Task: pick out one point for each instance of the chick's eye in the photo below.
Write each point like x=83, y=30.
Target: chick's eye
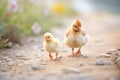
x=48, y=37
x=75, y=26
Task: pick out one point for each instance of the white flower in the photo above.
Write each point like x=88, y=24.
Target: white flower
x=36, y=28
x=13, y=6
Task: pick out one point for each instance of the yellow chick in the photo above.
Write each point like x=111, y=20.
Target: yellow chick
x=76, y=37
x=51, y=45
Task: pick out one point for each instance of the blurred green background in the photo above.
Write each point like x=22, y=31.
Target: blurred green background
x=21, y=18
x=30, y=17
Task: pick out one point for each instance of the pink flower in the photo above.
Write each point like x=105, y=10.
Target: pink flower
x=36, y=28
x=45, y=12
x=13, y=6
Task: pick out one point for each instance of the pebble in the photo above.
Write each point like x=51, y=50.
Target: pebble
x=71, y=70
x=101, y=62
x=118, y=62
x=60, y=57
x=4, y=58
x=18, y=55
x=104, y=55
x=42, y=50
x=81, y=64
x=118, y=55
x=3, y=70
x=118, y=49
x=10, y=44
x=85, y=56
x=37, y=67
x=111, y=51
x=7, y=58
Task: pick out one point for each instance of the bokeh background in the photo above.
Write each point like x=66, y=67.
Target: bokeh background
x=21, y=18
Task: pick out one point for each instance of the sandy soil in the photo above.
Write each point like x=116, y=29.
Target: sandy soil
x=32, y=62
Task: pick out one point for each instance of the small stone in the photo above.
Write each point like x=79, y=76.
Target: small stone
x=4, y=58
x=118, y=55
x=60, y=57
x=113, y=50
x=81, y=64
x=18, y=55
x=10, y=44
x=37, y=67
x=104, y=55
x=118, y=49
x=3, y=70
x=109, y=52
x=85, y=56
x=118, y=62
x=7, y=58
x=101, y=62
x=71, y=70
x=42, y=50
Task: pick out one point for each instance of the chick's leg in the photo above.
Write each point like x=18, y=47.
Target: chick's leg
x=50, y=56
x=78, y=53
x=56, y=56
x=72, y=53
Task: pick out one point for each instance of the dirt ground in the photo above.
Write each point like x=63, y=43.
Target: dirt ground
x=31, y=62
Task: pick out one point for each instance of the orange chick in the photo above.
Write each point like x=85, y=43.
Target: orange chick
x=51, y=45
x=76, y=37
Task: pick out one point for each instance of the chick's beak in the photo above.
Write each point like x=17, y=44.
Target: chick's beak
x=46, y=39
x=76, y=27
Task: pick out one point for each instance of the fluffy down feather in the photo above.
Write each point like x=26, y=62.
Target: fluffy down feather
x=51, y=44
x=76, y=37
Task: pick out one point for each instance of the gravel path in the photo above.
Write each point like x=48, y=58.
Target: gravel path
x=31, y=62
